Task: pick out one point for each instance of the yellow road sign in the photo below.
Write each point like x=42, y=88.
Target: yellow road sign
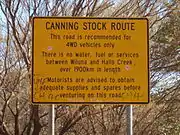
x=90, y=60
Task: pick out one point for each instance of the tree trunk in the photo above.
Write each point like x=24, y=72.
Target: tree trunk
x=37, y=125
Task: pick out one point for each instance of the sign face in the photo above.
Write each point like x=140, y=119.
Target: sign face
x=90, y=60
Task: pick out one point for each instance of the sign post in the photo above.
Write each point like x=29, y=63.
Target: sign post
x=129, y=112
x=51, y=120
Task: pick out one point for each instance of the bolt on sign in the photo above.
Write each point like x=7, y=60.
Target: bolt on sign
x=90, y=60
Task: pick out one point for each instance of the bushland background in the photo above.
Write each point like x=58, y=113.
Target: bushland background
x=19, y=117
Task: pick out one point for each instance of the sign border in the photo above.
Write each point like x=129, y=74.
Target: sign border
x=101, y=18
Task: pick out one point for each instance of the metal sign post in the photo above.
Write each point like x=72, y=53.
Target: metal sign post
x=51, y=120
x=129, y=120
